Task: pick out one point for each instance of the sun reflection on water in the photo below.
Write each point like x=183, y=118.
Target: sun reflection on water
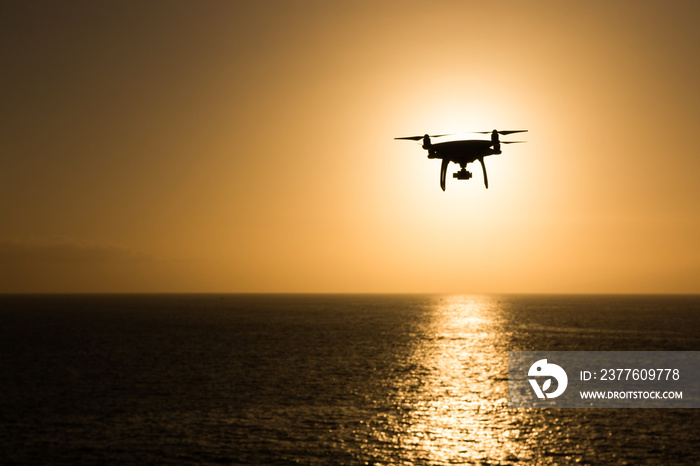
x=452, y=398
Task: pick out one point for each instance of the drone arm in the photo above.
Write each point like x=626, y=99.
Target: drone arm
x=443, y=172
x=483, y=168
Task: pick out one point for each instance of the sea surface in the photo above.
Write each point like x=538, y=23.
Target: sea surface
x=323, y=379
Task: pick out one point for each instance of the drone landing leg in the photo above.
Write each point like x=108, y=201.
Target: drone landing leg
x=443, y=172
x=483, y=168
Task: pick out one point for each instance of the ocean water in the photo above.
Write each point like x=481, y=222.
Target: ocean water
x=322, y=379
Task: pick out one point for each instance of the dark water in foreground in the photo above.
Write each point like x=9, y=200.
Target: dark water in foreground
x=268, y=379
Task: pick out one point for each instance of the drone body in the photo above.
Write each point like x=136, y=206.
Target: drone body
x=463, y=152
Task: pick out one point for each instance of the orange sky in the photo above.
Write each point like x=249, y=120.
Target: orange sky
x=226, y=146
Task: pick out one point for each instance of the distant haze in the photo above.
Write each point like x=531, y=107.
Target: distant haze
x=227, y=146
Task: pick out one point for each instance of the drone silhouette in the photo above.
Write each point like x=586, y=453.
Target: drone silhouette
x=463, y=152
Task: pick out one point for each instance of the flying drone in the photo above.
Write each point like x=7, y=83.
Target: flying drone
x=463, y=152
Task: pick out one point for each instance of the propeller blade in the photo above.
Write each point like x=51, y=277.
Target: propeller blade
x=511, y=131
x=511, y=142
x=418, y=138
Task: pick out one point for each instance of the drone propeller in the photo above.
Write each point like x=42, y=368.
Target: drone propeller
x=511, y=131
x=418, y=138
x=510, y=142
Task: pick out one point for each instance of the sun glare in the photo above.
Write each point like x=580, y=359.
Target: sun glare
x=460, y=390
